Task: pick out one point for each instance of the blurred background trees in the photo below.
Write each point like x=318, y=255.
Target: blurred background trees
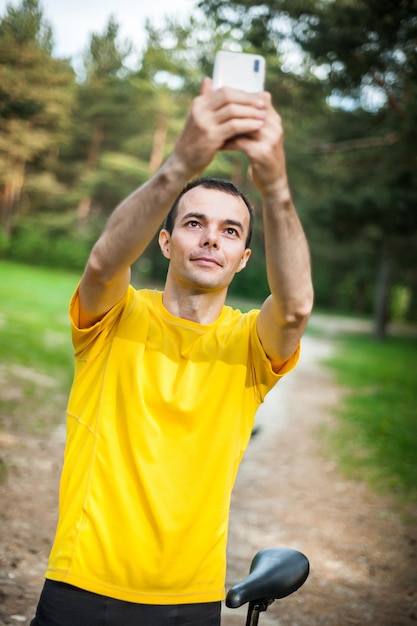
x=344, y=77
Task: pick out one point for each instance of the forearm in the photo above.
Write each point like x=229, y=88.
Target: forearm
x=128, y=232
x=135, y=221
x=287, y=258
x=285, y=313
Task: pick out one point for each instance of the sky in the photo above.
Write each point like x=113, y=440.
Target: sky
x=73, y=21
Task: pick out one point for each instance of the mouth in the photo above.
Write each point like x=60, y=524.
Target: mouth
x=207, y=261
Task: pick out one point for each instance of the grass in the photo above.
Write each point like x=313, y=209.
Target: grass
x=376, y=435
x=35, y=346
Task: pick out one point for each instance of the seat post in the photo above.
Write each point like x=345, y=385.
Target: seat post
x=255, y=607
x=253, y=615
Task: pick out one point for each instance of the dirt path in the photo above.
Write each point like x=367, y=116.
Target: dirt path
x=363, y=557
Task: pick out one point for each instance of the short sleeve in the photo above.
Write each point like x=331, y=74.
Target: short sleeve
x=262, y=368
x=85, y=338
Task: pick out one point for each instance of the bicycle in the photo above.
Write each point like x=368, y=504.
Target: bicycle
x=274, y=574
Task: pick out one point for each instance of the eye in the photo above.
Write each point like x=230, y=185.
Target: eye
x=232, y=232
x=193, y=224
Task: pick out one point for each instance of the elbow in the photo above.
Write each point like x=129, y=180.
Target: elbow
x=95, y=269
x=101, y=273
x=98, y=268
x=298, y=313
x=306, y=308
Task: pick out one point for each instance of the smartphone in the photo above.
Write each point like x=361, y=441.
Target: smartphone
x=239, y=70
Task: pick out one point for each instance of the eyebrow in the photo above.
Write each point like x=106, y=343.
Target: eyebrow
x=203, y=218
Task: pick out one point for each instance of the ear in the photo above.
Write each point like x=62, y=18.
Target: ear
x=164, y=242
x=244, y=260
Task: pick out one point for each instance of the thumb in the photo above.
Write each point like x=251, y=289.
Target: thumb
x=206, y=86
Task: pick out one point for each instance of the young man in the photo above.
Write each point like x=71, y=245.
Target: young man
x=166, y=384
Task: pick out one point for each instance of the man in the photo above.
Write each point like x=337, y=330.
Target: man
x=166, y=384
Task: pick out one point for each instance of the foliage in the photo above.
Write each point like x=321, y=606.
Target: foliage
x=377, y=433
x=35, y=102
x=342, y=75
x=49, y=245
x=361, y=150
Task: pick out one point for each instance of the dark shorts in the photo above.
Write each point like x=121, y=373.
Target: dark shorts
x=65, y=605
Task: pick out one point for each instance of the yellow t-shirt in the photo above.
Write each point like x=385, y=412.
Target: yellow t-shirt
x=159, y=415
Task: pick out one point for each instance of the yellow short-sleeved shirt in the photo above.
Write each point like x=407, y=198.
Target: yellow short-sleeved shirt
x=159, y=415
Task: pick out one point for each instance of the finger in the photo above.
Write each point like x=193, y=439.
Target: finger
x=206, y=86
x=227, y=95
x=238, y=111
x=242, y=142
x=234, y=129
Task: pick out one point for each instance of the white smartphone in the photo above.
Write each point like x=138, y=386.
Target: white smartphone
x=239, y=70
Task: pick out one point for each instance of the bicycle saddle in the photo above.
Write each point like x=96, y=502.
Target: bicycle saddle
x=274, y=573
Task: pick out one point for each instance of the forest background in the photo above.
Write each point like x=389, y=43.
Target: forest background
x=342, y=74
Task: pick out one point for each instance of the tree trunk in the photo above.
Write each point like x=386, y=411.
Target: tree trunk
x=97, y=138
x=11, y=193
x=381, y=300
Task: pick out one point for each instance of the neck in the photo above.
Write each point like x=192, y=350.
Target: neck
x=200, y=307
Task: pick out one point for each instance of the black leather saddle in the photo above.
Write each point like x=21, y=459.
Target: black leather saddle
x=274, y=573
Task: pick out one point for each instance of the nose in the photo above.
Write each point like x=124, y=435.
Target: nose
x=209, y=239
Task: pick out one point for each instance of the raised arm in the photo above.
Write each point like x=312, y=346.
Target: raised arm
x=214, y=117
x=285, y=313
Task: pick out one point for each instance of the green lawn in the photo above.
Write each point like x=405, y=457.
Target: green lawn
x=35, y=346
x=376, y=436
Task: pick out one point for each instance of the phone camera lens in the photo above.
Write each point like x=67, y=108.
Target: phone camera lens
x=256, y=66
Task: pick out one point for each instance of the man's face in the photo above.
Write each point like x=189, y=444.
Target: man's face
x=207, y=245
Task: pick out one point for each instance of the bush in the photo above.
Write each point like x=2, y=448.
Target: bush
x=46, y=248
x=4, y=243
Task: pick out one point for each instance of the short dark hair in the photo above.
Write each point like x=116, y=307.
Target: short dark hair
x=218, y=184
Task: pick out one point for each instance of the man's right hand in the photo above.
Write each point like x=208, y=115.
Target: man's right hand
x=215, y=117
